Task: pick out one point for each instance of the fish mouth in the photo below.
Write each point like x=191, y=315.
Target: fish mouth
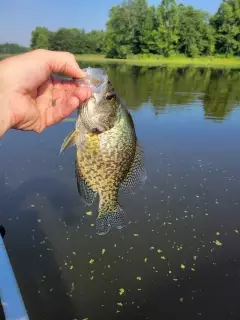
x=97, y=79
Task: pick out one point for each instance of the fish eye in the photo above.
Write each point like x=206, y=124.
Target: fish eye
x=110, y=95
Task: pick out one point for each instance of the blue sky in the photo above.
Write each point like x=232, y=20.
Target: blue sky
x=19, y=17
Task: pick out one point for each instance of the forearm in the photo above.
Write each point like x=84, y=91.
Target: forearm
x=5, y=117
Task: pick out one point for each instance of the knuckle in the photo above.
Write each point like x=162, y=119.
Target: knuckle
x=40, y=51
x=70, y=55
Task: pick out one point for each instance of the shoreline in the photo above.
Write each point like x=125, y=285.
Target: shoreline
x=213, y=62
x=205, y=62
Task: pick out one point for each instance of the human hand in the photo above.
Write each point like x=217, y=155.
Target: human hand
x=28, y=93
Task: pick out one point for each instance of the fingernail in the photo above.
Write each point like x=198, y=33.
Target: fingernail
x=83, y=74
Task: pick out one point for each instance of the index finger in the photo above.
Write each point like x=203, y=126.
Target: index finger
x=63, y=62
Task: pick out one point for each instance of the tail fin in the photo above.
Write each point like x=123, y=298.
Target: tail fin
x=110, y=219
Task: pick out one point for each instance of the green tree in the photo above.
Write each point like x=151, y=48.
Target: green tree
x=227, y=25
x=147, y=39
x=95, y=40
x=72, y=40
x=196, y=36
x=130, y=29
x=166, y=34
x=40, y=38
x=139, y=21
x=118, y=34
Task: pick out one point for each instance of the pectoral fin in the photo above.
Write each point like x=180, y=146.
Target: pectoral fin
x=70, y=140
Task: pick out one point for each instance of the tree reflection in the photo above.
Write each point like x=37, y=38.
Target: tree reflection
x=222, y=94
x=170, y=87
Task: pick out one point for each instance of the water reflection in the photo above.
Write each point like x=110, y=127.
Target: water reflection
x=169, y=87
x=179, y=255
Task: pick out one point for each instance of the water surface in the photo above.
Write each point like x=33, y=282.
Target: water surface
x=179, y=256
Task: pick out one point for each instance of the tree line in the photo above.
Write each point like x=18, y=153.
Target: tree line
x=73, y=40
x=136, y=28
x=9, y=48
x=167, y=29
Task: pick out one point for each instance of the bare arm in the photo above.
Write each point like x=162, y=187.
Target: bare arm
x=27, y=90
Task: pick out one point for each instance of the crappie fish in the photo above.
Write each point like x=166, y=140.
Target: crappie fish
x=108, y=154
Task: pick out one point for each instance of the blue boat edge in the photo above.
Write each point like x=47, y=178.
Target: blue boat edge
x=10, y=296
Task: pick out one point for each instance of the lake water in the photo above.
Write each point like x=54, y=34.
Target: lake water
x=179, y=256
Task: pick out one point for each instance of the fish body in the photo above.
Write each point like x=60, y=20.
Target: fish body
x=108, y=154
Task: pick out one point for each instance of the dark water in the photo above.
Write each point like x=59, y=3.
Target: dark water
x=179, y=257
